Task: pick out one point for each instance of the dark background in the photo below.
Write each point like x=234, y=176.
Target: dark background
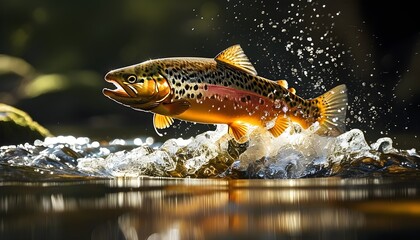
x=54, y=55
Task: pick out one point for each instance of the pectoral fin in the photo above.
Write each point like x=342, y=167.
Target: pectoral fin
x=161, y=121
x=282, y=122
x=238, y=130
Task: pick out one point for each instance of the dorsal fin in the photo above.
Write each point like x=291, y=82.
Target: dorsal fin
x=234, y=56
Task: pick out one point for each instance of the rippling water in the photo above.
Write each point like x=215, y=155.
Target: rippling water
x=314, y=187
x=168, y=208
x=297, y=153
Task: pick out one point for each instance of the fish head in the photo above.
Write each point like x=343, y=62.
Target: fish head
x=139, y=86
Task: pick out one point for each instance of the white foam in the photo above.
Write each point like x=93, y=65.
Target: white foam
x=293, y=154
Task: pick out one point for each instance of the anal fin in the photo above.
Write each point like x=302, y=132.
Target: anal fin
x=282, y=122
x=238, y=130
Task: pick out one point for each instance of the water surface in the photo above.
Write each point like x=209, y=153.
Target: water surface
x=162, y=208
x=303, y=186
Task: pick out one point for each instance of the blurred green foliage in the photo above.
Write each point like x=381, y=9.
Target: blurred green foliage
x=18, y=127
x=55, y=36
x=55, y=54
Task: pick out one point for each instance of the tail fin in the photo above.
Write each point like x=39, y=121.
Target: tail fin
x=333, y=107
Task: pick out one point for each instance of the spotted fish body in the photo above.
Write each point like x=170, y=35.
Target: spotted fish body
x=223, y=90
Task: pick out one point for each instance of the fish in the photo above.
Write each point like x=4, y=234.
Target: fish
x=225, y=89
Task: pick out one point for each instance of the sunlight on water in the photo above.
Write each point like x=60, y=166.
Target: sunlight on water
x=152, y=208
x=295, y=154
x=301, y=45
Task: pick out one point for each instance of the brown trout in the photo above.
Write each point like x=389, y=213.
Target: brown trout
x=222, y=90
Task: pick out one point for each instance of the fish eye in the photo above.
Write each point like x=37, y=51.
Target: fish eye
x=132, y=78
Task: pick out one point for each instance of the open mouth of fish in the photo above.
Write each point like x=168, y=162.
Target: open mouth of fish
x=120, y=90
x=124, y=94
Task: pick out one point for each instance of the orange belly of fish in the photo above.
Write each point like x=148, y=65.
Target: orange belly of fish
x=226, y=111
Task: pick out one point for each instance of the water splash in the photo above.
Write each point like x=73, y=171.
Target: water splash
x=314, y=45
x=297, y=153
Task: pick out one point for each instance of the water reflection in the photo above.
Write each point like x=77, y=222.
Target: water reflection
x=140, y=208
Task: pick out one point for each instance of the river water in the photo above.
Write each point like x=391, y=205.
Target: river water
x=299, y=185
x=167, y=208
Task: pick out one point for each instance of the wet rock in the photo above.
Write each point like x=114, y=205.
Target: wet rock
x=17, y=127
